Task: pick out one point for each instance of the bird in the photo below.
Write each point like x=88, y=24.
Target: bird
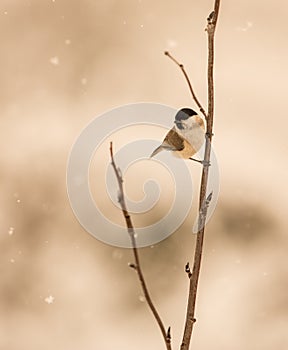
x=186, y=137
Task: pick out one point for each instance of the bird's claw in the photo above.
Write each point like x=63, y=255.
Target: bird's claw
x=205, y=162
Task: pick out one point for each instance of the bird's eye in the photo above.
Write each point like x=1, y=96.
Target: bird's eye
x=179, y=124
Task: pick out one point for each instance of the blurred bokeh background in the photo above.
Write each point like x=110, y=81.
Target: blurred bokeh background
x=65, y=62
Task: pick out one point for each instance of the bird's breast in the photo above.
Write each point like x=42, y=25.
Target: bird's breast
x=194, y=139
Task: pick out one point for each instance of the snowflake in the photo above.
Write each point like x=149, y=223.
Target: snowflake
x=245, y=28
x=49, y=300
x=54, y=60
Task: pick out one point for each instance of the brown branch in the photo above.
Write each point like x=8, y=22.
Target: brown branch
x=203, y=200
x=136, y=265
x=180, y=65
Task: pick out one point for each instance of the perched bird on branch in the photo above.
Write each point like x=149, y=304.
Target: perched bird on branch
x=186, y=137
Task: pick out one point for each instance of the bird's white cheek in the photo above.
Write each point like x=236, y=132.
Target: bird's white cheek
x=198, y=138
x=195, y=137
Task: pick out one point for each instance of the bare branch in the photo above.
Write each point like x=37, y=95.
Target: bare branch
x=203, y=200
x=136, y=265
x=180, y=65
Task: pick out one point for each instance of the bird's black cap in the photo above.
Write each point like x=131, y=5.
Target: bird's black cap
x=184, y=113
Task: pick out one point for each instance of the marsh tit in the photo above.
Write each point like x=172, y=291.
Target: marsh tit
x=186, y=137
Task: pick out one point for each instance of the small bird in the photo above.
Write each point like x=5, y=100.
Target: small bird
x=186, y=137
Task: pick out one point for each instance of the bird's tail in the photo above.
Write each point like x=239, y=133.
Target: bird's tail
x=156, y=151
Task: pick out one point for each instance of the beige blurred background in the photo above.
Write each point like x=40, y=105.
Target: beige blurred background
x=65, y=62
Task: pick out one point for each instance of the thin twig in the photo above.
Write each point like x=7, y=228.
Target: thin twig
x=136, y=265
x=181, y=66
x=203, y=200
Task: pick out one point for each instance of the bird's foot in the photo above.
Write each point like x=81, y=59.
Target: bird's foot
x=203, y=162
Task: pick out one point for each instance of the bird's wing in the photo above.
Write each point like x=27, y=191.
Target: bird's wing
x=173, y=141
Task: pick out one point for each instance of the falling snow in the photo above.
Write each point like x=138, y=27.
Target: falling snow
x=171, y=43
x=54, y=60
x=245, y=28
x=16, y=195
x=11, y=231
x=49, y=300
x=141, y=298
